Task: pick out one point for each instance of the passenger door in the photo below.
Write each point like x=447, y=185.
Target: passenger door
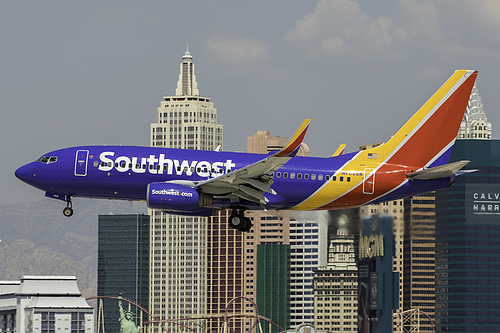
x=81, y=161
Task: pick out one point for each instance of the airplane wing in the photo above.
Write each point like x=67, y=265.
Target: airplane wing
x=441, y=171
x=251, y=182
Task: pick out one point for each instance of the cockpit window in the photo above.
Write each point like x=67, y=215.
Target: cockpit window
x=47, y=159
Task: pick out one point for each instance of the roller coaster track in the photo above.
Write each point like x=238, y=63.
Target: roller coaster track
x=227, y=316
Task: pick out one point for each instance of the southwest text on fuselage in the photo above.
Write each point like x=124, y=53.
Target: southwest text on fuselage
x=161, y=165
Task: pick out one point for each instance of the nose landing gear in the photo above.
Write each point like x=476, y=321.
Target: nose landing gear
x=68, y=210
x=239, y=221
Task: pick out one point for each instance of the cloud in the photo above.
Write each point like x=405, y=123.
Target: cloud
x=341, y=28
x=236, y=50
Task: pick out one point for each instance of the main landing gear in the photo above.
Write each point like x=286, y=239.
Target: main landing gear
x=239, y=221
x=68, y=211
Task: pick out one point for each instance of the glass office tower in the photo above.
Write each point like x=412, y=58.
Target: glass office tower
x=273, y=284
x=123, y=264
x=468, y=243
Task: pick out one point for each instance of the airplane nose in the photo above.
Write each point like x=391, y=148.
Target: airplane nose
x=25, y=173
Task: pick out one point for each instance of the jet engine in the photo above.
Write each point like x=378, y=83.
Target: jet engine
x=176, y=197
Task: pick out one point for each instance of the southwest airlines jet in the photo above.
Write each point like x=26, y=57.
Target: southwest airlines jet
x=191, y=182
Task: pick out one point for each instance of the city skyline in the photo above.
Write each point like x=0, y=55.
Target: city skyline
x=80, y=74
x=426, y=86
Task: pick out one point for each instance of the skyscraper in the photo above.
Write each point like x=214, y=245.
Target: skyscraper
x=186, y=120
x=475, y=125
x=273, y=284
x=225, y=275
x=467, y=242
x=178, y=256
x=419, y=256
x=336, y=284
x=122, y=266
x=307, y=239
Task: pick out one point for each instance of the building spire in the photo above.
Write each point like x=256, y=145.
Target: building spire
x=187, y=86
x=475, y=125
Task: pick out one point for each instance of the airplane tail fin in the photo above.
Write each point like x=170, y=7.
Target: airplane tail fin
x=427, y=138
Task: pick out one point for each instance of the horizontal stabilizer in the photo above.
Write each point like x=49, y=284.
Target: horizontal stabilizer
x=441, y=171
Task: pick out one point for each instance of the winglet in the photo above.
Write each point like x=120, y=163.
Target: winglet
x=293, y=145
x=339, y=150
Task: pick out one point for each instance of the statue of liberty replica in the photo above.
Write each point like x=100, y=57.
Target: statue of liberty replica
x=127, y=325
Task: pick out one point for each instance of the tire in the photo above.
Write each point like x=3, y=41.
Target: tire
x=68, y=211
x=235, y=221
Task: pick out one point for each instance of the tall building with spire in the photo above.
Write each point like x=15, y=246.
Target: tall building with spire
x=475, y=125
x=178, y=252
x=336, y=284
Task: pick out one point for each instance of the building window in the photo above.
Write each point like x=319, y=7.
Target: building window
x=48, y=322
x=77, y=322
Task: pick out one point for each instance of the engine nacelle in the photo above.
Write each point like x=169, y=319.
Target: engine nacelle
x=176, y=197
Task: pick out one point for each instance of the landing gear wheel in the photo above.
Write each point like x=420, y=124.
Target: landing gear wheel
x=247, y=225
x=235, y=221
x=68, y=211
x=238, y=221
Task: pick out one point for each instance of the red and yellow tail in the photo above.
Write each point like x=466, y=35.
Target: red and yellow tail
x=425, y=140
x=427, y=137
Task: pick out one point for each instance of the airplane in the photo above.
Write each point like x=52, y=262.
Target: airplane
x=193, y=182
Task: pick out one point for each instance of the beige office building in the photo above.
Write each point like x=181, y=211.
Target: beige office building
x=178, y=251
x=336, y=285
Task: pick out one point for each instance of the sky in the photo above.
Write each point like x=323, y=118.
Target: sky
x=94, y=72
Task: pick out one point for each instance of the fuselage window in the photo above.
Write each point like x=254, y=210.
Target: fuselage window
x=285, y=174
x=306, y=176
x=327, y=177
x=278, y=174
x=292, y=175
x=158, y=167
x=341, y=178
x=110, y=164
x=299, y=176
x=144, y=166
x=313, y=176
x=334, y=178
x=96, y=163
x=320, y=177
x=348, y=179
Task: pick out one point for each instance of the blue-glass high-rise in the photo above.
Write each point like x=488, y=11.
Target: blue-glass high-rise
x=468, y=243
x=123, y=264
